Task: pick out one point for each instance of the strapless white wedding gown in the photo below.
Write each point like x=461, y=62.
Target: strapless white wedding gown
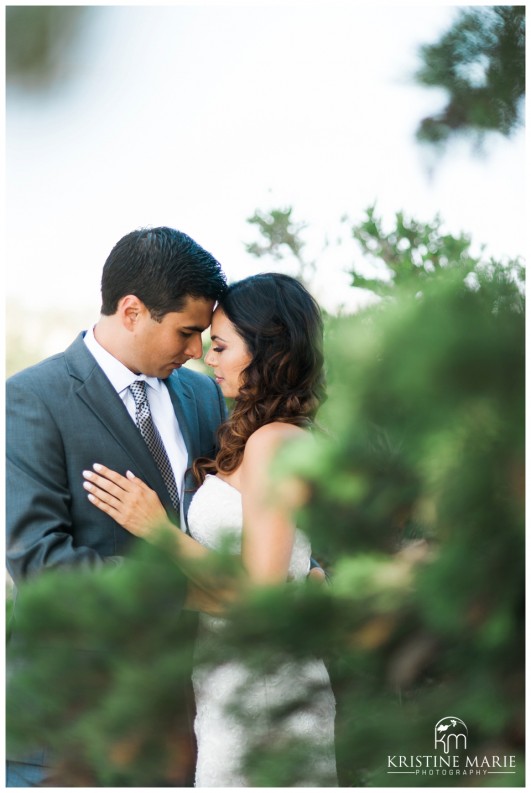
x=215, y=511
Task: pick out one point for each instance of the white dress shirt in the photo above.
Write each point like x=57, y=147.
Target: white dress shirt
x=160, y=405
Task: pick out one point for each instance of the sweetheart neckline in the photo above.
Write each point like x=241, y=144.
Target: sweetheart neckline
x=223, y=481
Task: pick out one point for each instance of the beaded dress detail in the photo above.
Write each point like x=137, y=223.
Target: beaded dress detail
x=215, y=514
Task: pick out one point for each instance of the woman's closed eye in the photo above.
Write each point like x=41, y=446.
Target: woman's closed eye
x=217, y=349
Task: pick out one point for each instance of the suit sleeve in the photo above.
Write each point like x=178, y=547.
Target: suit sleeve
x=39, y=525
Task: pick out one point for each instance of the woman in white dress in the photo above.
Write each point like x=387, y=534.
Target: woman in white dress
x=267, y=355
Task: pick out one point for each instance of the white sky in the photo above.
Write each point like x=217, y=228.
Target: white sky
x=195, y=115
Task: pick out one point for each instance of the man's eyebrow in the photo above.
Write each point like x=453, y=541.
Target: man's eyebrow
x=195, y=328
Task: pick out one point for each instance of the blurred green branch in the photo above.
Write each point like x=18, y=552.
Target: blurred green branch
x=40, y=41
x=480, y=62
x=282, y=237
x=412, y=253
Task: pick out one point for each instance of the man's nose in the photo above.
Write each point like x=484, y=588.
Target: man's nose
x=195, y=347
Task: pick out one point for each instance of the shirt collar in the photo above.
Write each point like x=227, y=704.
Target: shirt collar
x=120, y=376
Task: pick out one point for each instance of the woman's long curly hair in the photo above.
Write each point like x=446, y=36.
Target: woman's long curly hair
x=282, y=328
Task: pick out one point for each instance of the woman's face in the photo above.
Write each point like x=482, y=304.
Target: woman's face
x=228, y=354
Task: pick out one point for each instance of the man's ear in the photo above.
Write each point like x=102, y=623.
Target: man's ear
x=130, y=310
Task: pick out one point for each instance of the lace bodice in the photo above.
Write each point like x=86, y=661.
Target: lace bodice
x=216, y=513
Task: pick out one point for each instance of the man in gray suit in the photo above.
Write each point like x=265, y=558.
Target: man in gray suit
x=158, y=291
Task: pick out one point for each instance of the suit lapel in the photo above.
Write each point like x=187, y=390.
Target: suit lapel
x=186, y=412
x=98, y=394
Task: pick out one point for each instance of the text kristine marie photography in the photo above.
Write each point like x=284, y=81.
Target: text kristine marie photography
x=451, y=736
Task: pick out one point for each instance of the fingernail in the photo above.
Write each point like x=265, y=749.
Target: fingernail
x=129, y=474
x=88, y=474
x=97, y=467
x=91, y=497
x=87, y=485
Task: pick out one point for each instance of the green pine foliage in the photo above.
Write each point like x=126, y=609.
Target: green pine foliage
x=98, y=662
x=280, y=237
x=480, y=62
x=40, y=44
x=407, y=254
x=417, y=494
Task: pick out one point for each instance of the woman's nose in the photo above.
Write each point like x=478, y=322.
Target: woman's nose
x=208, y=358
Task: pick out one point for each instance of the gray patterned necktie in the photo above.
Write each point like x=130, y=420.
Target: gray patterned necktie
x=151, y=435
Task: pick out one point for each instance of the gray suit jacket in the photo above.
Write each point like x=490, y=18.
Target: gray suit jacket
x=63, y=415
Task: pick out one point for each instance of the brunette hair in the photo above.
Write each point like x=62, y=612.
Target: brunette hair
x=161, y=266
x=282, y=328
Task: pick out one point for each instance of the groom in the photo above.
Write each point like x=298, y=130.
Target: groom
x=118, y=394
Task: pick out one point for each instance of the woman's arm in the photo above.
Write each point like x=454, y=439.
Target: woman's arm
x=268, y=528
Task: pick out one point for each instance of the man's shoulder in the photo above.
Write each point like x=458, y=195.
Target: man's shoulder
x=37, y=371
x=49, y=368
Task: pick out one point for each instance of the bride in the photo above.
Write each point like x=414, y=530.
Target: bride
x=266, y=354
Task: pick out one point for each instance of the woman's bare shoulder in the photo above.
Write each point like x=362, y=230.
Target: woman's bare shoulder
x=265, y=440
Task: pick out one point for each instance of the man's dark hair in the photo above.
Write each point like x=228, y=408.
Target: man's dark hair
x=162, y=267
